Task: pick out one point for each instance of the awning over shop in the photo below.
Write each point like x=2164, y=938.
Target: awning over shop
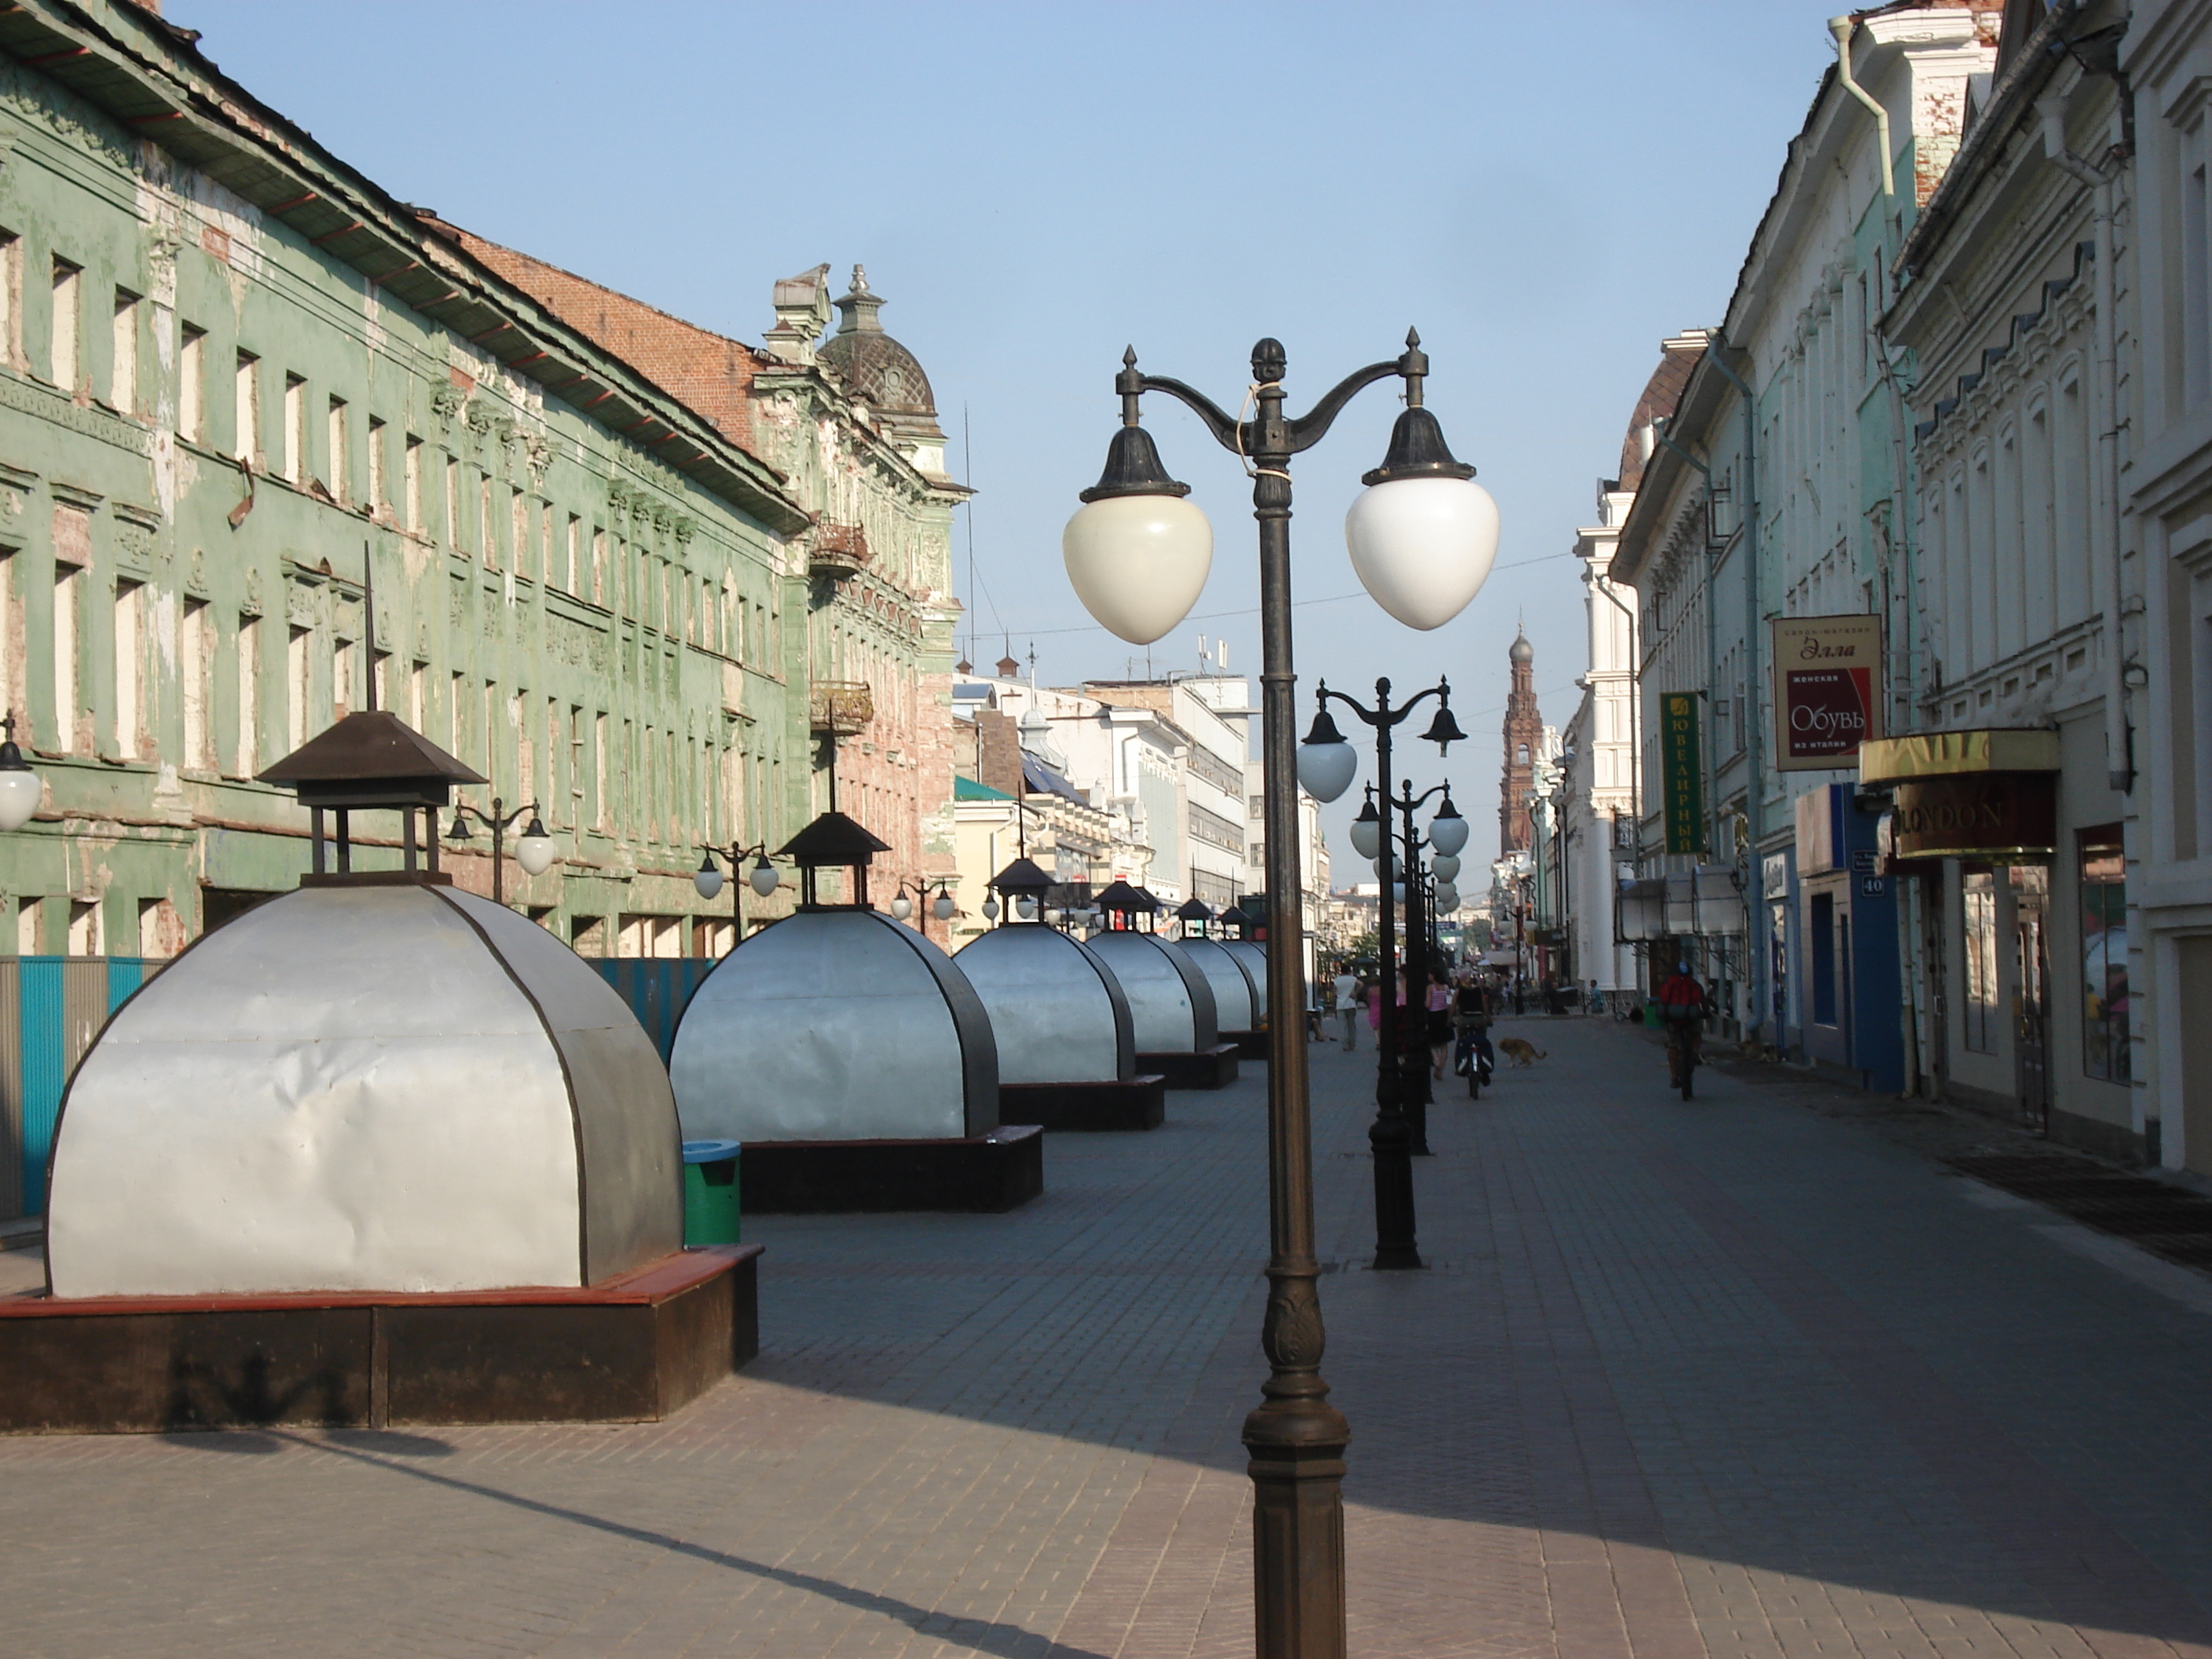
x=1953, y=754
x=1988, y=796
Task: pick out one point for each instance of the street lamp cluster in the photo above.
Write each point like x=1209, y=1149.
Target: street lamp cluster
x=1422, y=537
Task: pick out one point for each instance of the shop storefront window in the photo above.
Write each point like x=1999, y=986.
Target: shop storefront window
x=2103, y=956
x=1979, y=896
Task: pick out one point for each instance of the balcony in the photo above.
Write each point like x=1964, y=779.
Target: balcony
x=838, y=708
x=838, y=550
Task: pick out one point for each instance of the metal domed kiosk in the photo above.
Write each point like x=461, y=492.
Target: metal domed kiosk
x=1246, y=930
x=1170, y=1004
x=1067, y=1052
x=851, y=1057
x=1240, y=1006
x=378, y=1151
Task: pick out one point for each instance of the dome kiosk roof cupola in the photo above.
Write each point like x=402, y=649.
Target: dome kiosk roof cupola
x=851, y=1058
x=1124, y=907
x=1194, y=916
x=1170, y=998
x=379, y=1090
x=1022, y=883
x=1066, y=1034
x=371, y=761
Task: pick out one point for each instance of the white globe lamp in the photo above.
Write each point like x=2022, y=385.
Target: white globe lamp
x=1448, y=830
x=901, y=905
x=20, y=788
x=764, y=879
x=1367, y=832
x=1447, y=898
x=535, y=850
x=1326, y=764
x=1137, y=550
x=1446, y=866
x=942, y=906
x=1423, y=534
x=707, y=880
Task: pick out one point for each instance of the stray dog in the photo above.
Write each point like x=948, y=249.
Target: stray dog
x=1520, y=1051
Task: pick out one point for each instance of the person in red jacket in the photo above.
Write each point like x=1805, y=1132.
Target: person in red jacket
x=1682, y=1011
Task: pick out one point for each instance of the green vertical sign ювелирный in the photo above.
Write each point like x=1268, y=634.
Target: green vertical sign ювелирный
x=1678, y=764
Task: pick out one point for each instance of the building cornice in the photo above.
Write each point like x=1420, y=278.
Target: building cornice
x=152, y=80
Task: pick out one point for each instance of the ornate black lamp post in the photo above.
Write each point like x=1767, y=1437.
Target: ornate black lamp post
x=1326, y=764
x=706, y=881
x=1422, y=538
x=534, y=848
x=1447, y=834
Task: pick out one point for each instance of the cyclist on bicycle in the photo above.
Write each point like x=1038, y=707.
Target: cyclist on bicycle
x=1682, y=1007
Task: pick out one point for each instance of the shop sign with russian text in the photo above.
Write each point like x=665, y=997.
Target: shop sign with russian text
x=1682, y=786
x=1827, y=690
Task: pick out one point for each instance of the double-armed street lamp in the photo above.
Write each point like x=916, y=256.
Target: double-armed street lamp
x=1327, y=765
x=1422, y=537
x=1447, y=834
x=706, y=881
x=942, y=907
x=534, y=850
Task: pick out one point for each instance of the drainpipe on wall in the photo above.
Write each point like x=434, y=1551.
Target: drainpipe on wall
x=2120, y=742
x=1909, y=942
x=1841, y=27
x=1754, y=725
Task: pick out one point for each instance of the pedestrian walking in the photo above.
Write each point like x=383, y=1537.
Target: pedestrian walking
x=1436, y=1005
x=1348, y=988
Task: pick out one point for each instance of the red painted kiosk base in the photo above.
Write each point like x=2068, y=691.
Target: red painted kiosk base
x=1207, y=1068
x=634, y=1348
x=985, y=1173
x=1140, y=1103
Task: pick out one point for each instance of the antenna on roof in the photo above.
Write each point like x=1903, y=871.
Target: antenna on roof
x=368, y=611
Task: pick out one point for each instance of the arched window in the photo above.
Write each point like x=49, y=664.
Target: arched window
x=1521, y=754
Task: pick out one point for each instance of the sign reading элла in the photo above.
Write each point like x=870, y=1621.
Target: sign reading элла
x=1827, y=683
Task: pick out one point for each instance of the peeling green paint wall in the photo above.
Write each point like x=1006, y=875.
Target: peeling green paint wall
x=586, y=625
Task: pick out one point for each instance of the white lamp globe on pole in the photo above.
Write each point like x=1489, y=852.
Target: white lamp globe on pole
x=765, y=878
x=1423, y=534
x=20, y=788
x=1448, y=830
x=942, y=906
x=1136, y=550
x=1447, y=898
x=707, y=880
x=903, y=906
x=1326, y=764
x=1445, y=866
x=1367, y=831
x=536, y=851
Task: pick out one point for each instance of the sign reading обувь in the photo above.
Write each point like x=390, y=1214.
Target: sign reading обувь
x=1827, y=690
x=1681, y=783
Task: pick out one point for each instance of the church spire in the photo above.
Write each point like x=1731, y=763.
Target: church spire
x=1524, y=737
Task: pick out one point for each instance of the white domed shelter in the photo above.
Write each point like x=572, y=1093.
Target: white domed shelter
x=829, y=1035
x=1170, y=1003
x=375, y=1083
x=1240, y=1010
x=1067, y=1041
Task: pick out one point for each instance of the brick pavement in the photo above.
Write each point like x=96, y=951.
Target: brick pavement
x=1727, y=1377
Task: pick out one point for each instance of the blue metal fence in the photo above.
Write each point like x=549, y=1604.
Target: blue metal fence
x=50, y=1009
x=657, y=988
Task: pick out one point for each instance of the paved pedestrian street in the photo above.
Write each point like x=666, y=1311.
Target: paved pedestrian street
x=1752, y=1374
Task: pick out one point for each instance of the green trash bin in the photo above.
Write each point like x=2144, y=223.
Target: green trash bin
x=710, y=1192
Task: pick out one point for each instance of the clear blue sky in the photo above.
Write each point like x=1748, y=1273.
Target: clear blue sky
x=1545, y=191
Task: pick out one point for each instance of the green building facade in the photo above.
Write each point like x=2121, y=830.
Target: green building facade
x=240, y=388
